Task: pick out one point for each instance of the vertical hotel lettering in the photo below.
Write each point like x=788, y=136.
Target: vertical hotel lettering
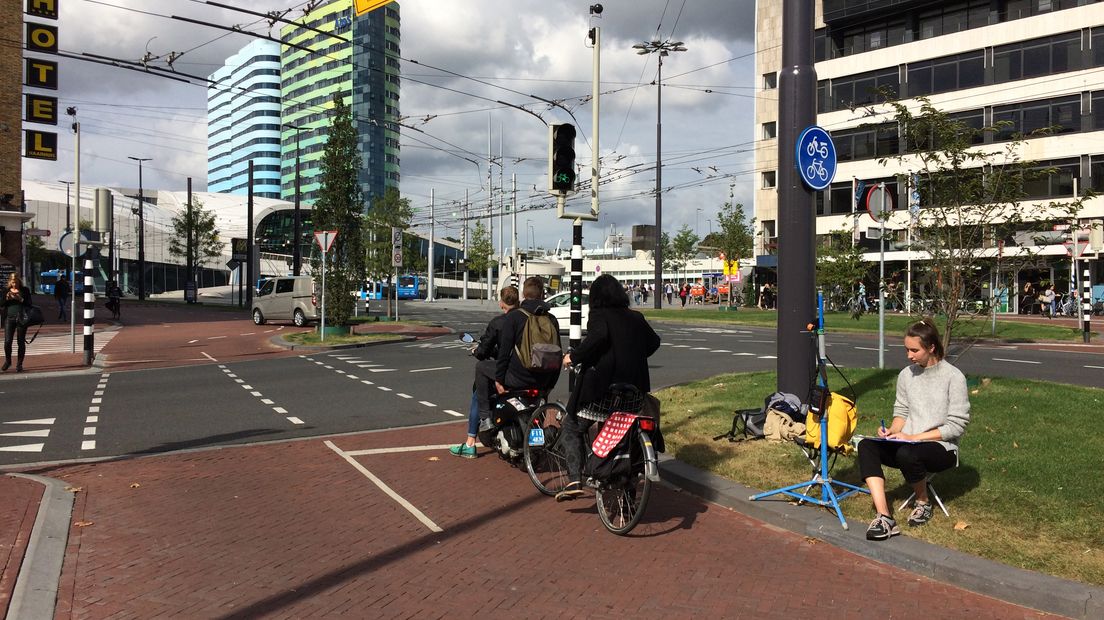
x=42, y=74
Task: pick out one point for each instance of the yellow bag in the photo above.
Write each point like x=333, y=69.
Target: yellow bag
x=842, y=418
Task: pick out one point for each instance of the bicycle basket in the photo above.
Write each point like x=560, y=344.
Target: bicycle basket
x=620, y=397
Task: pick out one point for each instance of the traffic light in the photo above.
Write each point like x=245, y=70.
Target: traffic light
x=561, y=159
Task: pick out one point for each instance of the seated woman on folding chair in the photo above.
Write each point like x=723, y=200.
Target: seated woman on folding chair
x=931, y=412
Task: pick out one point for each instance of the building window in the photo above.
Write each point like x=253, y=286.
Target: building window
x=769, y=179
x=1037, y=57
x=946, y=74
x=770, y=130
x=770, y=80
x=1096, y=173
x=1061, y=115
x=1058, y=183
x=857, y=90
x=866, y=142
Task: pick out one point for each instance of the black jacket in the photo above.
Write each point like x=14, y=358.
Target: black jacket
x=616, y=349
x=7, y=304
x=488, y=342
x=509, y=371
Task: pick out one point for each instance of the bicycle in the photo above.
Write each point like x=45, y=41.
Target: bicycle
x=621, y=498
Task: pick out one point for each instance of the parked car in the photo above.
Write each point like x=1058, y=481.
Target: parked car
x=561, y=309
x=286, y=298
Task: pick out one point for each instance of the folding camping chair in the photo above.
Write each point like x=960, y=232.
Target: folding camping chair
x=931, y=491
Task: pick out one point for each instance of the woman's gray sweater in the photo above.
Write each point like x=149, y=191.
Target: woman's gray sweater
x=933, y=398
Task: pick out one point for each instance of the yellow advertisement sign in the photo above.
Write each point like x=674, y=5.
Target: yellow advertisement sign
x=360, y=7
x=731, y=267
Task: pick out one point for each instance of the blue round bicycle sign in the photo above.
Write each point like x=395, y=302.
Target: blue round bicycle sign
x=816, y=157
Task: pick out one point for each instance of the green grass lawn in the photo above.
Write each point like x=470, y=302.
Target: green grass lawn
x=311, y=338
x=1028, y=486
x=965, y=327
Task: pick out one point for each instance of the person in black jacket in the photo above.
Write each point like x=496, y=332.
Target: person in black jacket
x=509, y=371
x=485, y=351
x=17, y=298
x=615, y=350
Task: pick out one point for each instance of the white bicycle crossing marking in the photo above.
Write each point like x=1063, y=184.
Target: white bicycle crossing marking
x=35, y=433
x=60, y=343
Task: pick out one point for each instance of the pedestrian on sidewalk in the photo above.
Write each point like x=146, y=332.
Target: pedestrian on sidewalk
x=17, y=299
x=1049, y=300
x=684, y=292
x=669, y=291
x=61, y=294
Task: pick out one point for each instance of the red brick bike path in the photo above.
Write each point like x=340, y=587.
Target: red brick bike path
x=19, y=501
x=294, y=530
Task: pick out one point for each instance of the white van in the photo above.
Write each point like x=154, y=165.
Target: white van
x=286, y=298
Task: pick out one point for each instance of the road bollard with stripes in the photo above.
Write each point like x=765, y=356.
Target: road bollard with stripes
x=89, y=306
x=1086, y=306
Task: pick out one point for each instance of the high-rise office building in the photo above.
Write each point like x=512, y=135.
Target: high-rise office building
x=376, y=52
x=309, y=81
x=243, y=122
x=1031, y=63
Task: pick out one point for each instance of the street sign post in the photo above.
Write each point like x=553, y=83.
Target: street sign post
x=36, y=232
x=816, y=157
x=325, y=239
x=239, y=249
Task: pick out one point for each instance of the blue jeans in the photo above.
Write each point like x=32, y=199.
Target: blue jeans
x=473, y=417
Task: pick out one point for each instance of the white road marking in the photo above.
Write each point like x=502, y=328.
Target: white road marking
x=381, y=370
x=399, y=450
x=431, y=369
x=352, y=376
x=418, y=514
x=279, y=410
x=30, y=447
x=88, y=445
x=345, y=357
x=295, y=420
x=231, y=375
x=767, y=357
x=38, y=421
x=400, y=394
x=92, y=419
x=426, y=403
x=251, y=333
x=366, y=382
x=454, y=413
x=864, y=349
x=369, y=365
x=215, y=337
x=248, y=387
x=681, y=346
x=340, y=372
x=327, y=366
x=45, y=432
x=97, y=401
x=192, y=341
x=239, y=380
x=90, y=430
x=204, y=355
x=743, y=354
x=700, y=349
x=266, y=401
x=385, y=389
x=727, y=351
x=1097, y=367
x=1001, y=359
x=93, y=410
x=257, y=394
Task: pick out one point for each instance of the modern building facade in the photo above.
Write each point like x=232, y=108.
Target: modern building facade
x=1034, y=63
x=309, y=81
x=376, y=52
x=243, y=122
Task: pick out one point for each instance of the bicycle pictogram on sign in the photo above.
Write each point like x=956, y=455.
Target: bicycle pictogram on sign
x=816, y=157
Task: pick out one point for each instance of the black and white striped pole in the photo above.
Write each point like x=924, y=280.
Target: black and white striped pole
x=1086, y=304
x=89, y=304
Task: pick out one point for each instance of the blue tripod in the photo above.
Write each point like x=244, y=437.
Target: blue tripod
x=829, y=497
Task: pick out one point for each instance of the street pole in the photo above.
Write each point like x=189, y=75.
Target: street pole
x=661, y=48
x=249, y=275
x=68, y=222
x=141, y=231
x=513, y=225
x=429, y=291
x=191, y=229
x=796, y=263
x=322, y=332
x=75, y=226
x=464, y=245
x=881, y=280
x=297, y=232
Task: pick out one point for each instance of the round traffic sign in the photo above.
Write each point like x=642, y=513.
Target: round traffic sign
x=815, y=157
x=879, y=202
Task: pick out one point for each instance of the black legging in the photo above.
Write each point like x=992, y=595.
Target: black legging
x=12, y=329
x=915, y=460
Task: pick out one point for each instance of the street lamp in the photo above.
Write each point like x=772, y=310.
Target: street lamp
x=68, y=215
x=710, y=223
x=528, y=237
x=296, y=251
x=663, y=48
x=141, y=231
x=697, y=221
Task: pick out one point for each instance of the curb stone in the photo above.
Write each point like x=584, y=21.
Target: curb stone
x=1015, y=585
x=36, y=587
x=291, y=346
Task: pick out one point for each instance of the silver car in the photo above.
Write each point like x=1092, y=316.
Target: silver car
x=286, y=298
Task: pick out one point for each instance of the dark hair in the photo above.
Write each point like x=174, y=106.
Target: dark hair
x=925, y=330
x=533, y=288
x=509, y=296
x=607, y=292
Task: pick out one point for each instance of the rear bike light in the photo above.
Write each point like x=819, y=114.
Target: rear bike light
x=647, y=424
x=531, y=393
x=314, y=299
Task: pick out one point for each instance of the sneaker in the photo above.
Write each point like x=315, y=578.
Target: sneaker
x=485, y=424
x=571, y=491
x=882, y=528
x=463, y=451
x=921, y=514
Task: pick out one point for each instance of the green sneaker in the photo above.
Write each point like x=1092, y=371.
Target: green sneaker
x=463, y=451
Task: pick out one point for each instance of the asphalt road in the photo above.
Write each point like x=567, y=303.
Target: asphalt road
x=385, y=386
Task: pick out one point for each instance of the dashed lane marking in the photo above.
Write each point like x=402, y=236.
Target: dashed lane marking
x=454, y=413
x=1096, y=367
x=401, y=395
x=294, y=420
x=426, y=403
x=1001, y=359
x=431, y=369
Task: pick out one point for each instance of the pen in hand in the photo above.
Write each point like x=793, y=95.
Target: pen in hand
x=884, y=433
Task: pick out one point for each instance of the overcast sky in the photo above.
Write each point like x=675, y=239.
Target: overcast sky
x=534, y=47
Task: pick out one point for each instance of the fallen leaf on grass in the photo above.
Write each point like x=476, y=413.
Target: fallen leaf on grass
x=134, y=485
x=718, y=385
x=83, y=523
x=961, y=525
x=74, y=489
x=434, y=458
x=973, y=392
x=1015, y=445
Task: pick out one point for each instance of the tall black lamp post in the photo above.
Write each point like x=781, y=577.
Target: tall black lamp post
x=663, y=48
x=297, y=232
x=141, y=231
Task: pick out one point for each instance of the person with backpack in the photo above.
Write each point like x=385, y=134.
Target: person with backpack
x=527, y=343
x=930, y=415
x=616, y=349
x=486, y=351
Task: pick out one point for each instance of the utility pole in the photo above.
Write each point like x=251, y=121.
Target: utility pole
x=75, y=225
x=191, y=230
x=249, y=275
x=464, y=245
x=297, y=232
x=68, y=222
x=141, y=231
x=429, y=291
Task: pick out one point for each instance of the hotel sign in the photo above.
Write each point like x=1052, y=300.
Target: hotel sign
x=40, y=38
x=360, y=7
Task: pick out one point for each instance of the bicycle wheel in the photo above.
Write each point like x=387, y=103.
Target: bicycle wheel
x=621, y=502
x=544, y=456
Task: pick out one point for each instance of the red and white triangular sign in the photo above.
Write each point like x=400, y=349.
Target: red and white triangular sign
x=325, y=238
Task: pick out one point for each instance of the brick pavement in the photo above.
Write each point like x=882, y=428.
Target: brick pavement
x=293, y=530
x=18, y=510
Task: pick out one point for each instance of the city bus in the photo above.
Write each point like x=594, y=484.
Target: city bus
x=46, y=280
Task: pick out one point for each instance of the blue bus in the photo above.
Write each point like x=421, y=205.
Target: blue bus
x=411, y=287
x=47, y=279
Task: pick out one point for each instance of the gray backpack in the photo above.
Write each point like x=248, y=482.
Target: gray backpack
x=538, y=348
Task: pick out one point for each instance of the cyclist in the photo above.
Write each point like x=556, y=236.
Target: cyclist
x=510, y=374
x=616, y=349
x=485, y=351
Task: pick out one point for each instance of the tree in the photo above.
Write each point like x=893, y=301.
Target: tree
x=480, y=253
x=683, y=247
x=973, y=198
x=839, y=264
x=339, y=207
x=734, y=238
x=390, y=210
x=200, y=225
